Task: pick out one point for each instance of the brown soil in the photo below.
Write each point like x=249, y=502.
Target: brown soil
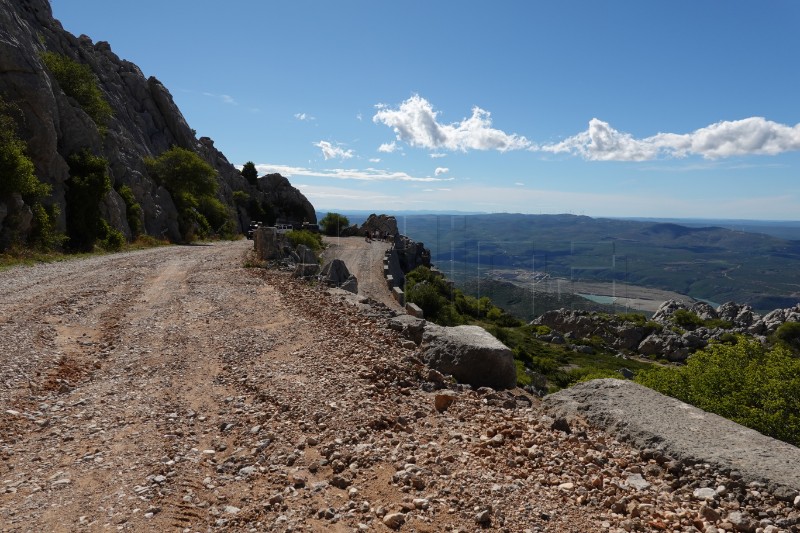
x=174, y=390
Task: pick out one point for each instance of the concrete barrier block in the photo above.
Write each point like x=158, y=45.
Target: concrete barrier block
x=414, y=310
x=399, y=295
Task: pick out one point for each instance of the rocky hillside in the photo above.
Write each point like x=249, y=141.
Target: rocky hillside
x=144, y=123
x=674, y=332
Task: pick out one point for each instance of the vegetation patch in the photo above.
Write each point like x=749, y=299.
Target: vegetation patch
x=332, y=224
x=79, y=82
x=18, y=177
x=308, y=238
x=193, y=185
x=748, y=383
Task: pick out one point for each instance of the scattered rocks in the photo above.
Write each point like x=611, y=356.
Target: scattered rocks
x=297, y=412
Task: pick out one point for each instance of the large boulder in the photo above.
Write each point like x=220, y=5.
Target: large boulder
x=269, y=244
x=471, y=355
x=336, y=274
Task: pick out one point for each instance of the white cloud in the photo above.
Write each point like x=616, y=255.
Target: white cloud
x=375, y=160
x=437, y=155
x=368, y=174
x=225, y=98
x=415, y=122
x=304, y=117
x=388, y=148
x=441, y=170
x=330, y=151
x=750, y=136
x=519, y=184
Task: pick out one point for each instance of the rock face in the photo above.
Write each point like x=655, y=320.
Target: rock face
x=671, y=428
x=470, y=354
x=661, y=336
x=145, y=123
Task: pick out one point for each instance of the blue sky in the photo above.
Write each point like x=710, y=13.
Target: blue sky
x=613, y=108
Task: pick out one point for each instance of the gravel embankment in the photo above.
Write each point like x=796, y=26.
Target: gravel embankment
x=173, y=389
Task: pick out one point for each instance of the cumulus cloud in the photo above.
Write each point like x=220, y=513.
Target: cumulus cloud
x=368, y=174
x=437, y=155
x=440, y=170
x=329, y=151
x=303, y=117
x=749, y=136
x=375, y=160
x=415, y=122
x=388, y=148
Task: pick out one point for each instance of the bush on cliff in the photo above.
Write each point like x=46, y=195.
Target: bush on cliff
x=746, y=382
x=17, y=175
x=133, y=210
x=79, y=82
x=193, y=185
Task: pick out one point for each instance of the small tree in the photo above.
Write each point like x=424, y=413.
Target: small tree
x=193, y=185
x=333, y=224
x=250, y=173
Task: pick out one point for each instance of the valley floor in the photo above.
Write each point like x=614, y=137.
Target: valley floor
x=174, y=390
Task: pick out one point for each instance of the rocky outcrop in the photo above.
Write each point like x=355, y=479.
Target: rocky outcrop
x=145, y=123
x=290, y=206
x=664, y=335
x=380, y=226
x=664, y=427
x=470, y=354
x=336, y=274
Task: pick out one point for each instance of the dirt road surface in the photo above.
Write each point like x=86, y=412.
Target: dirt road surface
x=174, y=390
x=365, y=261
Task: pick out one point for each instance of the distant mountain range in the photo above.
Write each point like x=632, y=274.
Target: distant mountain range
x=709, y=262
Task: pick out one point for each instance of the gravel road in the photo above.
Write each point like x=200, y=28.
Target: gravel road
x=174, y=390
x=365, y=261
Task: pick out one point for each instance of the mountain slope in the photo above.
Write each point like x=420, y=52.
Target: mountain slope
x=710, y=263
x=145, y=122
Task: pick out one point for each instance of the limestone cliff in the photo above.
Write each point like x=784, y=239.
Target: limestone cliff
x=145, y=123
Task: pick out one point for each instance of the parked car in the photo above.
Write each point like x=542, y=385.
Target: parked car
x=252, y=229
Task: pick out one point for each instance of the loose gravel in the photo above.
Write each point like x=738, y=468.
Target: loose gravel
x=175, y=390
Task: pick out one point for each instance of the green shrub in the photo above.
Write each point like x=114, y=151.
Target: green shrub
x=427, y=297
x=182, y=171
x=79, y=82
x=87, y=185
x=746, y=382
x=16, y=168
x=217, y=213
x=788, y=334
x=685, y=319
x=333, y=223
x=717, y=323
x=241, y=198
x=308, y=238
x=636, y=318
x=192, y=183
x=133, y=210
x=111, y=240
x=44, y=235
